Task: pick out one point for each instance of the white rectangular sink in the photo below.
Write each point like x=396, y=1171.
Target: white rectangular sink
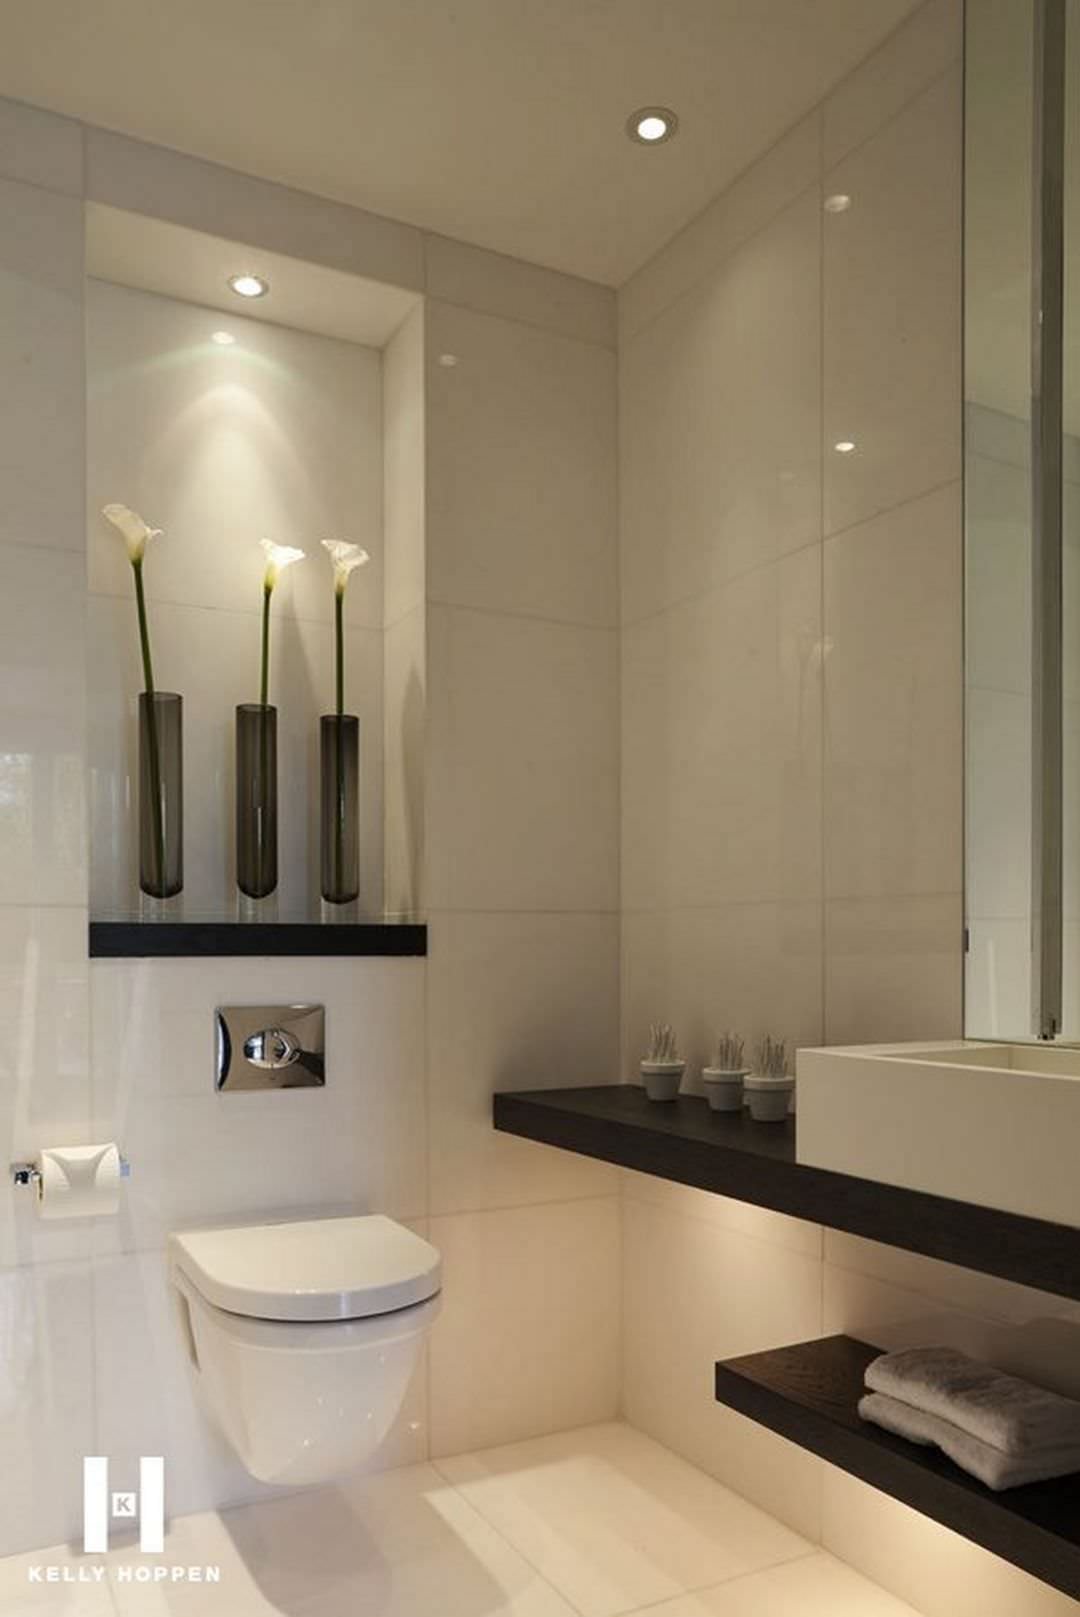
x=996, y=1124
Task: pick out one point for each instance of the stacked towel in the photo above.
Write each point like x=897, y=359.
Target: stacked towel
x=998, y=1428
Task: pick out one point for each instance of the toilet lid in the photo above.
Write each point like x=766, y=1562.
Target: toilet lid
x=322, y=1269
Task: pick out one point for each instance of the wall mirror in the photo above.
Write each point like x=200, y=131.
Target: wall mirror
x=1022, y=519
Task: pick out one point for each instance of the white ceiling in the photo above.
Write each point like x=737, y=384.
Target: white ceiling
x=497, y=121
x=133, y=250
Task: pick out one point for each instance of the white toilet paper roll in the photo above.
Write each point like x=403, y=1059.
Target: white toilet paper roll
x=78, y=1181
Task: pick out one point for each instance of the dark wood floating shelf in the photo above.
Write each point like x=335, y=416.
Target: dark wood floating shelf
x=809, y=1394
x=755, y=1162
x=175, y=939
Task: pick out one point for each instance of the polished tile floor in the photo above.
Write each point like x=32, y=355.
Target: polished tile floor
x=600, y=1522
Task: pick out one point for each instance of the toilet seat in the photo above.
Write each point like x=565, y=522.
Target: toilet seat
x=318, y=1270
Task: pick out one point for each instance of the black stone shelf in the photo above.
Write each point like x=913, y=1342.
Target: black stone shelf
x=138, y=940
x=808, y=1393
x=755, y=1162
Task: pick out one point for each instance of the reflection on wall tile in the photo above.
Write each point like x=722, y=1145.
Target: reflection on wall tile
x=892, y=312
x=42, y=727
x=41, y=363
x=997, y=979
x=893, y=687
x=695, y=1292
x=521, y=469
x=516, y=1002
x=527, y=1341
x=524, y=776
x=46, y=1401
x=404, y=488
x=720, y=422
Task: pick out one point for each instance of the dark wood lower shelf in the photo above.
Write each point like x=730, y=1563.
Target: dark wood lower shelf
x=755, y=1162
x=809, y=1394
x=117, y=940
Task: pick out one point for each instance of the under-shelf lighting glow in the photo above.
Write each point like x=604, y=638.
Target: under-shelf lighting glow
x=650, y=126
x=249, y=286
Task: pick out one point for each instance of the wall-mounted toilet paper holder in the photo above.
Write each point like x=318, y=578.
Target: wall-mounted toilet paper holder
x=28, y=1173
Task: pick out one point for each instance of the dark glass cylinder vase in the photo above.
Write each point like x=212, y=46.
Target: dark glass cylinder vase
x=256, y=799
x=339, y=820
x=161, y=793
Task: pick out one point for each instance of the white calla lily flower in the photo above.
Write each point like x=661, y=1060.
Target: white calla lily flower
x=137, y=534
x=278, y=557
x=344, y=557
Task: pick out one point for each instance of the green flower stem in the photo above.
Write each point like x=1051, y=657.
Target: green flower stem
x=144, y=633
x=339, y=635
x=264, y=683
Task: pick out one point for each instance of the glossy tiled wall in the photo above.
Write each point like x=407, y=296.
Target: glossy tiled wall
x=792, y=752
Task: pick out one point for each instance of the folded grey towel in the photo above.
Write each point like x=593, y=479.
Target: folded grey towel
x=990, y=1465
x=1008, y=1414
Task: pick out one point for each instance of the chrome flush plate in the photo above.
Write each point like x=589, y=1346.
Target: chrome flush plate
x=270, y=1046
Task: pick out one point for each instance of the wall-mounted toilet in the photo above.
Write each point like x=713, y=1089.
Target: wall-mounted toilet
x=303, y=1337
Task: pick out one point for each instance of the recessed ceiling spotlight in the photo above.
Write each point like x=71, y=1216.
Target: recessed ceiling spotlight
x=651, y=126
x=844, y=447
x=249, y=286
x=838, y=203
x=224, y=339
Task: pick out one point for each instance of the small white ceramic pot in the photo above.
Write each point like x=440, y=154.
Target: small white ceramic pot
x=724, y=1088
x=769, y=1098
x=662, y=1078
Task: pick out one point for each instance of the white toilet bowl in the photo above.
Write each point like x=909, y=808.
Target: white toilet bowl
x=303, y=1337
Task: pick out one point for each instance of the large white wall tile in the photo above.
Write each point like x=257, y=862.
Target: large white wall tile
x=719, y=421
x=695, y=1292
x=44, y=1066
x=892, y=373
x=515, y=1002
x=893, y=969
x=211, y=657
x=520, y=468
x=41, y=367
x=404, y=762
x=761, y=1223
x=893, y=702
x=524, y=780
x=277, y=436
x=199, y=1156
x=528, y=1338
x=404, y=484
x=920, y=50
x=40, y=148
x=46, y=1401
x=43, y=724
